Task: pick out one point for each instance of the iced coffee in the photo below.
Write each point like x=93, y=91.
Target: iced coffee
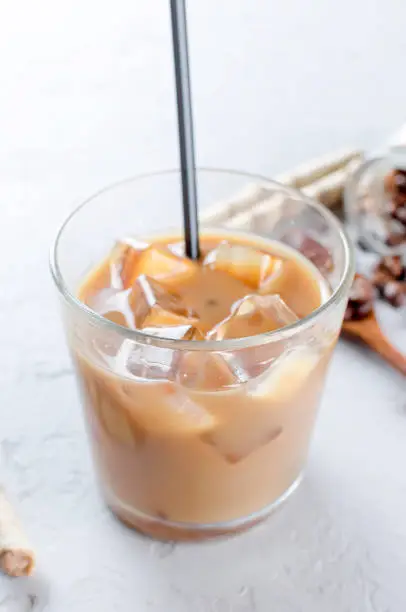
x=199, y=414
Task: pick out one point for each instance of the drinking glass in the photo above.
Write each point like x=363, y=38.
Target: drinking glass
x=177, y=458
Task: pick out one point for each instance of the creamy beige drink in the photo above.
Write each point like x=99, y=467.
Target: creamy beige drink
x=197, y=434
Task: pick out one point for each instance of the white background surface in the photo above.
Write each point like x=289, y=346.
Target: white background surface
x=86, y=99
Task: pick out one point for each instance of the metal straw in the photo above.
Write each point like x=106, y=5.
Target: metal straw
x=185, y=124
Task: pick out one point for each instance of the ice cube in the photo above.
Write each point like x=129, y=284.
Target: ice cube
x=286, y=376
x=149, y=362
x=165, y=408
x=159, y=317
x=239, y=438
x=134, y=243
x=151, y=400
x=195, y=334
x=117, y=317
x=142, y=361
x=116, y=308
x=123, y=260
x=103, y=350
x=272, y=281
x=243, y=262
x=254, y=314
x=160, y=263
x=241, y=432
x=177, y=248
x=208, y=371
x=153, y=305
x=174, y=332
x=243, y=426
x=112, y=417
x=146, y=361
x=117, y=423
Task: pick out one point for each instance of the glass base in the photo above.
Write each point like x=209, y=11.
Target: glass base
x=161, y=529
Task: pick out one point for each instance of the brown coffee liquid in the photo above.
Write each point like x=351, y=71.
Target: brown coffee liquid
x=210, y=439
x=207, y=290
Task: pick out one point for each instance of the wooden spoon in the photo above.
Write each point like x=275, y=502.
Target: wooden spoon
x=370, y=333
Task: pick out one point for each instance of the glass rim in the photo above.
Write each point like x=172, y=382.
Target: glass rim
x=206, y=345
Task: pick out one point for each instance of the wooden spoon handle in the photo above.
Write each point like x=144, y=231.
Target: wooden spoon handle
x=379, y=343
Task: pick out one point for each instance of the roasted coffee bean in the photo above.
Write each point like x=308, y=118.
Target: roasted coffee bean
x=390, y=279
x=394, y=293
x=393, y=264
x=400, y=214
x=380, y=278
x=356, y=313
x=389, y=182
x=389, y=207
x=395, y=181
x=349, y=313
x=399, y=181
x=395, y=239
x=360, y=303
x=362, y=290
x=364, y=310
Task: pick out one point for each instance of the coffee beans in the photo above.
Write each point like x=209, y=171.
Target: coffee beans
x=388, y=282
x=361, y=299
x=389, y=278
x=395, y=187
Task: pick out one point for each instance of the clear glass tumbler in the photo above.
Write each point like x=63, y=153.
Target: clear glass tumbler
x=177, y=459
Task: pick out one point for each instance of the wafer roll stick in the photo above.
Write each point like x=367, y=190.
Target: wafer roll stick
x=245, y=200
x=318, y=168
x=300, y=177
x=16, y=555
x=267, y=210
x=328, y=189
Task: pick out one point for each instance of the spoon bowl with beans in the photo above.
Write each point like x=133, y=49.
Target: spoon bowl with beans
x=360, y=323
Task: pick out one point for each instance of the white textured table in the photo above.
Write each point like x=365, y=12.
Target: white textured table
x=86, y=100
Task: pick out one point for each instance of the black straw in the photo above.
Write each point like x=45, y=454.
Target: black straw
x=185, y=124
